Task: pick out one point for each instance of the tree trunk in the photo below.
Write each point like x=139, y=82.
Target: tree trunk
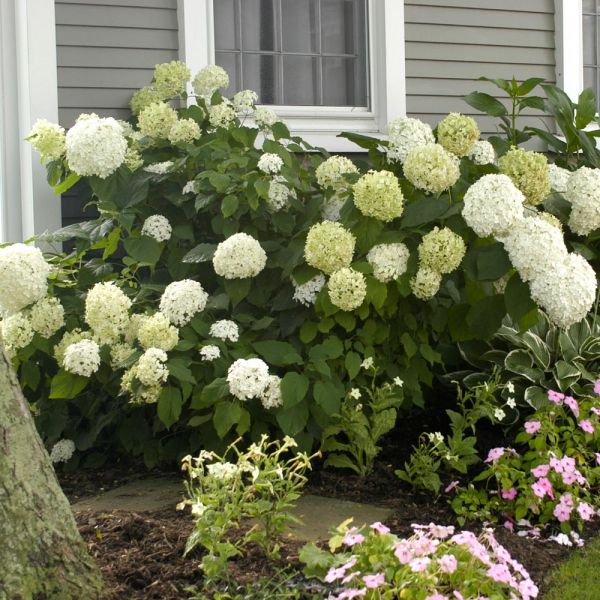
x=42, y=555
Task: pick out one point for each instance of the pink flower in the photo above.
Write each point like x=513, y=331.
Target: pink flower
x=567, y=500
x=418, y=565
x=436, y=596
x=352, y=593
x=585, y=510
x=380, y=528
x=458, y=595
x=509, y=494
x=597, y=387
x=494, y=454
x=595, y=409
x=532, y=427
x=540, y=470
x=350, y=577
x=598, y=457
x=509, y=525
x=334, y=574
x=451, y=486
x=572, y=404
x=374, y=581
x=562, y=512
x=528, y=589
x=556, y=397
x=586, y=425
x=352, y=537
x=423, y=545
x=403, y=552
x=448, y=563
x=500, y=573
x=440, y=531
x=542, y=487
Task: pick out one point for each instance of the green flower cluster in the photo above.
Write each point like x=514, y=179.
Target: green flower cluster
x=457, y=133
x=156, y=120
x=377, y=194
x=529, y=172
x=170, y=78
x=329, y=247
x=431, y=168
x=347, y=289
x=441, y=250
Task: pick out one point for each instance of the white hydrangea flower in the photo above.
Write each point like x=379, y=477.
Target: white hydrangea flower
x=95, y=146
x=209, y=80
x=330, y=173
x=62, y=451
x=191, y=187
x=133, y=159
x=559, y=178
x=347, y=289
x=332, y=208
x=270, y=163
x=457, y=133
x=389, y=261
x=306, y=293
x=184, y=131
x=119, y=353
x=534, y=247
x=47, y=316
x=583, y=192
x=156, y=331
x=159, y=168
x=130, y=333
x=16, y=331
x=377, y=194
x=492, y=205
x=170, y=78
x=329, y=246
x=271, y=395
x=404, y=135
x=567, y=291
x=48, y=139
x=279, y=193
x=441, y=250
x=23, y=277
x=157, y=119
x=106, y=312
x=210, y=352
x=82, y=358
x=248, y=378
x=150, y=368
x=426, y=283
x=239, y=256
x=244, y=101
x=432, y=168
x=225, y=330
x=265, y=118
x=144, y=97
x=70, y=337
x=158, y=228
x=482, y=153
x=181, y=300
x=221, y=115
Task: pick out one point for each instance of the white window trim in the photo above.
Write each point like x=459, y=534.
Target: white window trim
x=569, y=46
x=320, y=125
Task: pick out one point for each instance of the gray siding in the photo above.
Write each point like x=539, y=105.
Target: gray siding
x=450, y=43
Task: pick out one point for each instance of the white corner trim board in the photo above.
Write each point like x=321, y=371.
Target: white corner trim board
x=569, y=46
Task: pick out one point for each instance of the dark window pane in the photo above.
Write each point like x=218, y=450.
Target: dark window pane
x=226, y=25
x=343, y=26
x=342, y=85
x=589, y=6
x=589, y=40
x=230, y=62
x=301, y=80
x=300, y=29
x=260, y=21
x=262, y=74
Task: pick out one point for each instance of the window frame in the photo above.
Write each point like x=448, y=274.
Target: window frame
x=568, y=15
x=320, y=125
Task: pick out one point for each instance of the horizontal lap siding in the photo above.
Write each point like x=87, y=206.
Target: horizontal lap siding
x=451, y=43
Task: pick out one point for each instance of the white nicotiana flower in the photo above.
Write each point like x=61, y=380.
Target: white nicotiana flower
x=492, y=205
x=389, y=261
x=279, y=193
x=510, y=386
x=159, y=168
x=157, y=227
x=47, y=316
x=499, y=414
x=23, y=277
x=181, y=300
x=239, y=256
x=306, y=293
x=191, y=187
x=210, y=352
x=156, y=331
x=265, y=118
x=331, y=173
x=82, y=358
x=95, y=146
x=222, y=470
x=354, y=393
x=559, y=178
x=482, y=153
x=62, y=451
x=209, y=80
x=404, y=135
x=106, y=312
x=244, y=101
x=398, y=381
x=367, y=363
x=248, y=378
x=150, y=369
x=270, y=163
x=511, y=403
x=583, y=192
x=16, y=331
x=48, y=139
x=271, y=395
x=225, y=330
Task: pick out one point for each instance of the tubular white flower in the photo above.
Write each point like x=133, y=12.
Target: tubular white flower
x=62, y=451
x=441, y=250
x=329, y=247
x=156, y=331
x=181, y=300
x=389, y=261
x=239, y=256
x=225, y=330
x=377, y=194
x=248, y=378
x=405, y=134
x=306, y=293
x=209, y=80
x=426, y=283
x=583, y=192
x=347, y=289
x=330, y=173
x=270, y=163
x=482, y=153
x=16, y=331
x=106, y=312
x=150, y=368
x=47, y=316
x=431, y=168
x=271, y=395
x=157, y=227
x=82, y=358
x=492, y=205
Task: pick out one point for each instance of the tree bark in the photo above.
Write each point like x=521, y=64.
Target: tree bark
x=42, y=555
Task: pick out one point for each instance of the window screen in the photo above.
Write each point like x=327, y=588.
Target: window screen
x=591, y=51
x=295, y=52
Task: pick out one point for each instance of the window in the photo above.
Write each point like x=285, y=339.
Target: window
x=591, y=49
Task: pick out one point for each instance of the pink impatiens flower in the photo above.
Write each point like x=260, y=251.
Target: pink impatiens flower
x=528, y=589
x=586, y=511
x=595, y=410
x=542, y=487
x=352, y=537
x=586, y=425
x=494, y=454
x=436, y=596
x=540, y=470
x=403, y=552
x=374, y=581
x=500, y=573
x=556, y=397
x=532, y=427
x=352, y=593
x=380, y=528
x=448, y=563
x=598, y=457
x=451, y=486
x=509, y=494
x=562, y=512
x=572, y=404
x=597, y=387
x=508, y=525
x=418, y=565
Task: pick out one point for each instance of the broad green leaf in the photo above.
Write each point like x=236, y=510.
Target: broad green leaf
x=308, y=332
x=485, y=316
x=328, y=396
x=517, y=298
x=528, y=85
x=492, y=262
x=144, y=250
x=179, y=370
x=352, y=362
x=122, y=189
x=237, y=289
x=294, y=387
x=586, y=108
x=376, y=292
x=226, y=415
x=422, y=211
x=201, y=253
x=566, y=374
x=169, y=405
x=229, y=205
x=486, y=103
x=292, y=420
x=66, y=386
x=520, y=362
x=210, y=394
x=277, y=353
x=66, y=184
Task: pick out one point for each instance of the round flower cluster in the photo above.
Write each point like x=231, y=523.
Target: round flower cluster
x=431, y=168
x=426, y=283
x=389, y=261
x=209, y=80
x=270, y=163
x=221, y=115
x=23, y=277
x=482, y=153
x=170, y=78
x=271, y=395
x=329, y=247
x=145, y=97
x=70, y=337
x=184, y=131
x=347, y=289
x=567, y=291
x=47, y=316
x=529, y=172
x=279, y=193
x=441, y=250
x=16, y=331
x=457, y=133
x=95, y=146
x=181, y=300
x=558, y=177
x=265, y=118
x=210, y=352
x=106, y=312
x=330, y=173
x=62, y=451
x=534, y=246
x=150, y=368
x=244, y=101
x=377, y=194
x=248, y=378
x=82, y=358
x=225, y=330
x=156, y=331
x=119, y=353
x=159, y=168
x=406, y=134
x=48, y=139
x=158, y=228
x=306, y=293
x=156, y=120
x=549, y=218
x=133, y=159
x=332, y=207
x=492, y=205
x=190, y=187
x=583, y=192
x=239, y=256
